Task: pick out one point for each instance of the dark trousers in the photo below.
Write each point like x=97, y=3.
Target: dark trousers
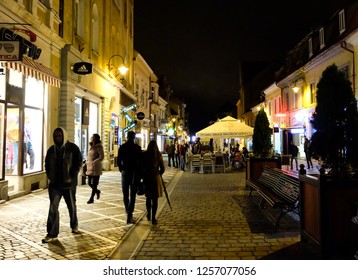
x=171, y=160
x=129, y=192
x=93, y=182
x=151, y=204
x=53, y=220
x=176, y=160
x=309, y=161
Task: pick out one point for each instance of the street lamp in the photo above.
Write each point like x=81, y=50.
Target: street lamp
x=122, y=68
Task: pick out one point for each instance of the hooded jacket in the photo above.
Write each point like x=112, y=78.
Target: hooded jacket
x=63, y=162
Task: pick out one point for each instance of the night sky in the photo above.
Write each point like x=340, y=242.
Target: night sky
x=198, y=44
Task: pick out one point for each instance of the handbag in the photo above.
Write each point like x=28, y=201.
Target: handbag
x=84, y=169
x=140, y=187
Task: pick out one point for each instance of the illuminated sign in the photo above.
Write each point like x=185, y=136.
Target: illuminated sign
x=25, y=46
x=82, y=68
x=130, y=126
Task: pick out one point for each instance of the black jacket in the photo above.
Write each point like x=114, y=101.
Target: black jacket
x=63, y=163
x=129, y=155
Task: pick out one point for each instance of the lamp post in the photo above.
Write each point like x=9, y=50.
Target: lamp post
x=122, y=68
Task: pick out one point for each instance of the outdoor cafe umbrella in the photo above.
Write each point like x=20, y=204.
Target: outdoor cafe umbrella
x=227, y=127
x=166, y=193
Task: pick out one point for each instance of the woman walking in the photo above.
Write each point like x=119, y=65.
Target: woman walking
x=153, y=168
x=94, y=165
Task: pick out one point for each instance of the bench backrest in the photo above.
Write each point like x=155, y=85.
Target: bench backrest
x=288, y=187
x=269, y=177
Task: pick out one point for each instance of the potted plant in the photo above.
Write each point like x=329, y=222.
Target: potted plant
x=329, y=201
x=262, y=148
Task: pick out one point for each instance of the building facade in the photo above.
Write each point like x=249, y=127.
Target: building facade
x=290, y=99
x=59, y=68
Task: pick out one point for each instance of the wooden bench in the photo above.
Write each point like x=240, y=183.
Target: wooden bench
x=278, y=188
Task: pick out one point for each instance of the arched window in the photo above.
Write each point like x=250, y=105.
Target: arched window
x=95, y=44
x=80, y=18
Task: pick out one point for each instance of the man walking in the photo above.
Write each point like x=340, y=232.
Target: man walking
x=307, y=150
x=294, y=154
x=128, y=160
x=62, y=163
x=171, y=153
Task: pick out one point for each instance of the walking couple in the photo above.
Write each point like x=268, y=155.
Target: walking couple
x=148, y=165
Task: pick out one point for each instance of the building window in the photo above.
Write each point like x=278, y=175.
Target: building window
x=310, y=47
x=278, y=105
x=342, y=22
x=270, y=108
x=2, y=131
x=95, y=28
x=125, y=13
x=321, y=38
x=312, y=93
x=296, y=100
x=80, y=18
x=24, y=136
x=345, y=71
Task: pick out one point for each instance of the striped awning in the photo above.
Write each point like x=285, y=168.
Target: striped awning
x=33, y=69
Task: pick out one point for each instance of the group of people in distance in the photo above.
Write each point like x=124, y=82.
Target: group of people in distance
x=63, y=162
x=177, y=154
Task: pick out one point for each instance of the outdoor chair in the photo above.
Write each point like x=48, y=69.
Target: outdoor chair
x=219, y=164
x=208, y=163
x=195, y=163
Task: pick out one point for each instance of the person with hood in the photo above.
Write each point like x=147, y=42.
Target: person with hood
x=62, y=163
x=128, y=161
x=94, y=165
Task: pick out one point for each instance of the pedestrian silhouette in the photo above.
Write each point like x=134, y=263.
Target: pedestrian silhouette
x=62, y=163
x=128, y=161
x=153, y=168
x=94, y=165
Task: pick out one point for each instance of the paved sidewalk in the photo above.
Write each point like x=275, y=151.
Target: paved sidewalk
x=103, y=224
x=213, y=218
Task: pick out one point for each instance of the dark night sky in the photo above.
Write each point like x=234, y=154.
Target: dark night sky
x=198, y=44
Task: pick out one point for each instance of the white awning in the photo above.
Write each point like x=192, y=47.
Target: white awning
x=33, y=69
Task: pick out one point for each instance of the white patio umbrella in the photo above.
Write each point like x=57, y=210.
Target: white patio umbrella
x=227, y=127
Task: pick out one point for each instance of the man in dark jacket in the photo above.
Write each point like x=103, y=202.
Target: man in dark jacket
x=62, y=164
x=128, y=162
x=294, y=154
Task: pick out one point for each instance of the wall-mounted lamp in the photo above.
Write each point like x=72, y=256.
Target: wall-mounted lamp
x=295, y=88
x=122, y=68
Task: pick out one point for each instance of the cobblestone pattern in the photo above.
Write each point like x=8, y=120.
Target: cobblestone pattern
x=207, y=223
x=102, y=224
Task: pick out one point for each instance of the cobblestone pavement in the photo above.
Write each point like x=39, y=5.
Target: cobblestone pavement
x=212, y=218
x=102, y=224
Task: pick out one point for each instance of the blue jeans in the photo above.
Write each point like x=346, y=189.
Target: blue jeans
x=53, y=220
x=129, y=191
x=296, y=161
x=182, y=162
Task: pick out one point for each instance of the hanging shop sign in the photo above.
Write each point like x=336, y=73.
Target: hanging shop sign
x=140, y=115
x=10, y=51
x=82, y=68
x=26, y=47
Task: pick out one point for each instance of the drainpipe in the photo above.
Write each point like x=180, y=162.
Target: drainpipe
x=344, y=46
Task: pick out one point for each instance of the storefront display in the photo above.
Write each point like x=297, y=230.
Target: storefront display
x=24, y=135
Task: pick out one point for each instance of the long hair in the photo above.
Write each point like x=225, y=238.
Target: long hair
x=153, y=152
